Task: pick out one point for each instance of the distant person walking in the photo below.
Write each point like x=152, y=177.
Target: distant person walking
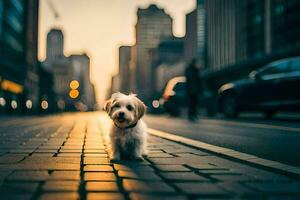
x=192, y=89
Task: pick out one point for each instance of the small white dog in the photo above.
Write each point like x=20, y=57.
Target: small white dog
x=128, y=135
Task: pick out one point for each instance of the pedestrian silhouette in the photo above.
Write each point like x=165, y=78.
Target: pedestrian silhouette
x=192, y=89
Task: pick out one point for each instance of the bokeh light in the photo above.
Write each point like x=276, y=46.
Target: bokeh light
x=155, y=103
x=28, y=104
x=74, y=94
x=74, y=84
x=14, y=104
x=2, y=101
x=44, y=105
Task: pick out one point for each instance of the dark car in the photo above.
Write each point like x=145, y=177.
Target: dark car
x=274, y=87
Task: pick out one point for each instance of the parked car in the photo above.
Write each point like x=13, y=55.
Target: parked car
x=174, y=97
x=272, y=88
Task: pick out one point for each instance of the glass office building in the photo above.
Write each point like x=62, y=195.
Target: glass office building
x=12, y=28
x=238, y=31
x=285, y=30
x=17, y=45
x=255, y=16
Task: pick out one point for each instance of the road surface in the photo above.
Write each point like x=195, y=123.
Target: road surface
x=277, y=139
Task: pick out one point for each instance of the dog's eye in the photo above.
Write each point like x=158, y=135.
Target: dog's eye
x=129, y=107
x=117, y=106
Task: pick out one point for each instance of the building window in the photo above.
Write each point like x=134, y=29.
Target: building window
x=13, y=25
x=279, y=10
x=257, y=19
x=255, y=28
x=285, y=31
x=1, y=17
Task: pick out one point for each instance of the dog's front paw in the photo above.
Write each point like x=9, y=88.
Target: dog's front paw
x=138, y=158
x=145, y=152
x=145, y=155
x=115, y=158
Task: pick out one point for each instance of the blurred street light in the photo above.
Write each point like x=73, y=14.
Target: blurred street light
x=74, y=94
x=2, y=101
x=44, y=105
x=11, y=86
x=74, y=84
x=14, y=104
x=155, y=103
x=28, y=104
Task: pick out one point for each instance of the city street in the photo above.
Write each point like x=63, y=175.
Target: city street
x=277, y=139
x=67, y=68
x=66, y=157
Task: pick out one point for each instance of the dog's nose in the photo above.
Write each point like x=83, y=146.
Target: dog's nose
x=121, y=114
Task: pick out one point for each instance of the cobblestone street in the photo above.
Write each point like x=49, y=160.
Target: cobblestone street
x=66, y=157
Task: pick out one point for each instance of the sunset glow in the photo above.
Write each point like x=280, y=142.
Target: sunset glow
x=99, y=27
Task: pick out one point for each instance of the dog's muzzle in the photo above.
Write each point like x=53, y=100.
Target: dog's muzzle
x=121, y=117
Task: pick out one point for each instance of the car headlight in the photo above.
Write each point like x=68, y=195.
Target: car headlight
x=225, y=87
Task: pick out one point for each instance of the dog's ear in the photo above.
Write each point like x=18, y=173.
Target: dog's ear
x=107, y=105
x=141, y=108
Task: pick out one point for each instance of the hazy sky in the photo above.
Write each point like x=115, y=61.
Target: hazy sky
x=99, y=27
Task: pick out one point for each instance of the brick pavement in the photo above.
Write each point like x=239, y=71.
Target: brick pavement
x=66, y=157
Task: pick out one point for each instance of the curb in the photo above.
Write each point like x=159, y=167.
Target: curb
x=245, y=158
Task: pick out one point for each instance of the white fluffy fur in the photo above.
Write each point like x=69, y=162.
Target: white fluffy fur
x=132, y=141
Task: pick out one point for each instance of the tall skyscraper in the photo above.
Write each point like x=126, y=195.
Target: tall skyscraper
x=55, y=44
x=31, y=83
x=115, y=84
x=132, y=69
x=18, y=55
x=60, y=66
x=124, y=68
x=238, y=31
x=190, y=40
x=195, y=33
x=81, y=66
x=225, y=32
x=67, y=71
x=153, y=25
